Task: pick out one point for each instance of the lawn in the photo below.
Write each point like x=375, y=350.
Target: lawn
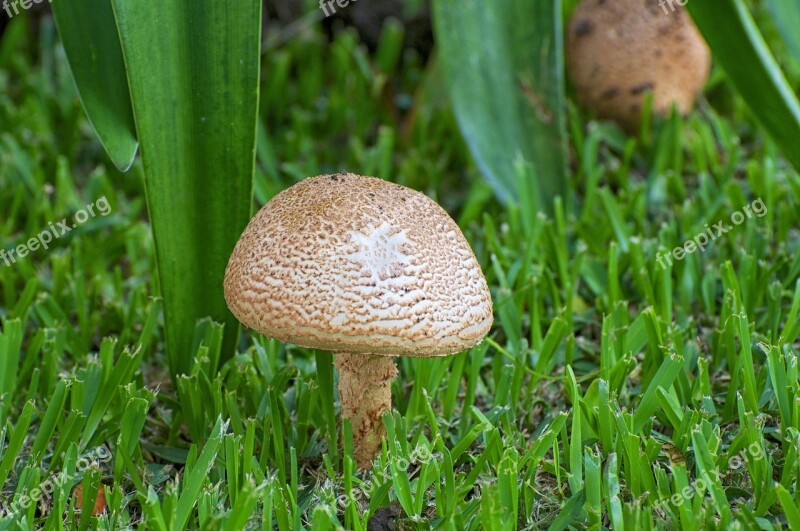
x=627, y=382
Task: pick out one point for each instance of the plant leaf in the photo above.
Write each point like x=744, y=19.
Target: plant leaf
x=787, y=19
x=193, y=71
x=740, y=49
x=506, y=80
x=90, y=39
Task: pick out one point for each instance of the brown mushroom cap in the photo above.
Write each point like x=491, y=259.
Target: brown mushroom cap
x=356, y=264
x=618, y=50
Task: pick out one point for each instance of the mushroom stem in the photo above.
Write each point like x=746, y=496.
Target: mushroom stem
x=365, y=392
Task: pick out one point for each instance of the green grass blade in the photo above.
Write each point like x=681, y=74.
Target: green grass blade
x=90, y=39
x=119, y=375
x=575, y=455
x=10, y=452
x=327, y=398
x=707, y=472
x=243, y=508
x=740, y=49
x=615, y=514
x=90, y=486
x=49, y=420
x=193, y=70
x=544, y=442
x=663, y=379
x=792, y=327
x=569, y=512
x=789, y=506
x=507, y=87
x=777, y=375
x=593, y=487
x=507, y=482
x=152, y=510
x=10, y=349
x=196, y=476
x=402, y=486
x=746, y=363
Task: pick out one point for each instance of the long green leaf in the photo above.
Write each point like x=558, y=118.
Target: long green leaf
x=740, y=49
x=90, y=39
x=193, y=70
x=505, y=69
x=787, y=19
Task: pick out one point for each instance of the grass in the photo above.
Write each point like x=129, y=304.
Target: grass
x=610, y=393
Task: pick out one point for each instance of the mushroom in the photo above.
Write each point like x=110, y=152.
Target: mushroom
x=366, y=269
x=619, y=50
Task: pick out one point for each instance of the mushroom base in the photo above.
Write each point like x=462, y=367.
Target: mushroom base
x=365, y=392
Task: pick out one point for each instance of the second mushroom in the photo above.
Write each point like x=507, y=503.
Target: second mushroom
x=364, y=268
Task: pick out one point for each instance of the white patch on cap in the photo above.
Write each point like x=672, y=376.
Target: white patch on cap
x=380, y=253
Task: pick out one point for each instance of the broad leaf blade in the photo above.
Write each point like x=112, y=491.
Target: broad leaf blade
x=90, y=39
x=505, y=68
x=787, y=19
x=193, y=70
x=740, y=49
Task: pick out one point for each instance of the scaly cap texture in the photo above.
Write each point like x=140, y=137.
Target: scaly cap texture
x=360, y=265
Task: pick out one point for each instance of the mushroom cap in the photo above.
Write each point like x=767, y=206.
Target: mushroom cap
x=356, y=264
x=619, y=50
